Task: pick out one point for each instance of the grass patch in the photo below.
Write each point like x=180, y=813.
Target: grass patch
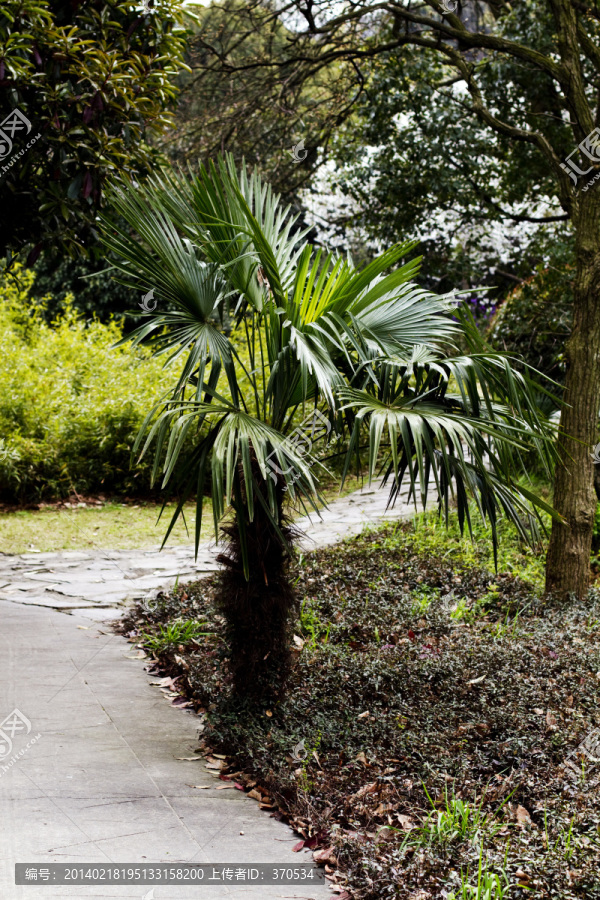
x=428, y=535
x=106, y=526
x=422, y=744
x=167, y=638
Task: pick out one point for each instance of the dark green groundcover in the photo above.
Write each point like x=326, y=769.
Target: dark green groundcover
x=431, y=710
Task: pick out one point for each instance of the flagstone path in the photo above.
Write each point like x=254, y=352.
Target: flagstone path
x=94, y=763
x=96, y=583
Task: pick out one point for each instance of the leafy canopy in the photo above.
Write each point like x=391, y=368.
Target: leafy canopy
x=95, y=80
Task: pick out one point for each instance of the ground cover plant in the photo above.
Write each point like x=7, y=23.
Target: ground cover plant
x=432, y=706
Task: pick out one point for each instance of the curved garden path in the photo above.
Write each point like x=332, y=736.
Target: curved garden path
x=96, y=583
x=106, y=772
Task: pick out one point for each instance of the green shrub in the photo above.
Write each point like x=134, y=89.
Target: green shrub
x=534, y=321
x=70, y=403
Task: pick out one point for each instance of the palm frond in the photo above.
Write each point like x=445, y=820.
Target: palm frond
x=466, y=443
x=368, y=348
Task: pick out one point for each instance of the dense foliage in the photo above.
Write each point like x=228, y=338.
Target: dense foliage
x=94, y=80
x=60, y=280
x=534, y=322
x=254, y=112
x=70, y=404
x=414, y=160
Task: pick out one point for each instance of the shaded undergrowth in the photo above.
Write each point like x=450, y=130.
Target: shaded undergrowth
x=430, y=711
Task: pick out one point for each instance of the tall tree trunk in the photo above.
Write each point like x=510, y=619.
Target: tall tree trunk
x=568, y=560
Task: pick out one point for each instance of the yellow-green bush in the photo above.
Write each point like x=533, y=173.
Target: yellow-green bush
x=70, y=403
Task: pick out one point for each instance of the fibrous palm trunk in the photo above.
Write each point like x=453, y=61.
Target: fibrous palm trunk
x=257, y=609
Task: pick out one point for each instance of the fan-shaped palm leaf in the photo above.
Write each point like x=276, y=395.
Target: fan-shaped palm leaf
x=321, y=338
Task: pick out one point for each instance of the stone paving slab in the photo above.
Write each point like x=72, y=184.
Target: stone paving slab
x=102, y=782
x=50, y=601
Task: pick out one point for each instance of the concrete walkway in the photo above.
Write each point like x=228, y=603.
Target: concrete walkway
x=91, y=766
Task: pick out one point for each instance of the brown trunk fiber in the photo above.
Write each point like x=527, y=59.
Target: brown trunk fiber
x=257, y=610
x=568, y=560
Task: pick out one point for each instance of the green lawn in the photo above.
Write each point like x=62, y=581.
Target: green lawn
x=107, y=526
x=110, y=526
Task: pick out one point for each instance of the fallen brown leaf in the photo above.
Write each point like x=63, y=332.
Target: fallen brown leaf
x=523, y=817
x=325, y=856
x=366, y=789
x=383, y=808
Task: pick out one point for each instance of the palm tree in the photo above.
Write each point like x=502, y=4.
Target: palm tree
x=353, y=350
